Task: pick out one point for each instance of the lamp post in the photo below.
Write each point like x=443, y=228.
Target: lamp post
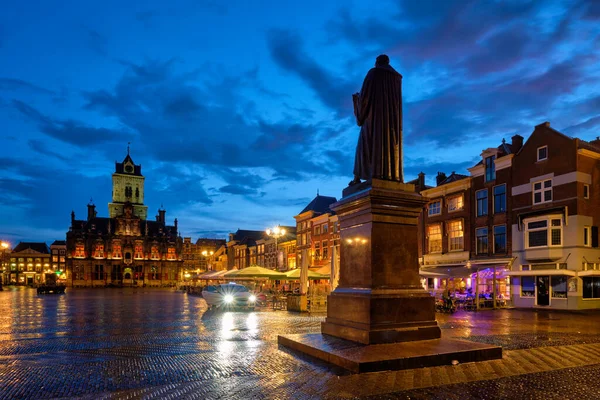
x=276, y=233
x=3, y=247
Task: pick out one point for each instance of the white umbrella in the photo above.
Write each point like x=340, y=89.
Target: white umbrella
x=304, y=272
x=335, y=269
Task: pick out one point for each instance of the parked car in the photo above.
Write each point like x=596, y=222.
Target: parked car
x=228, y=295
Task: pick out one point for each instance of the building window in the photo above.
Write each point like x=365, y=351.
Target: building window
x=490, y=168
x=171, y=254
x=528, y=286
x=98, y=272
x=325, y=250
x=591, y=287
x=435, y=208
x=78, y=273
x=456, y=235
x=117, y=251
x=481, y=235
x=500, y=239
x=325, y=228
x=499, y=199
x=317, y=251
x=559, y=287
x=138, y=253
x=586, y=236
x=79, y=251
x=318, y=230
x=542, y=191
x=482, y=202
x=542, y=153
x=434, y=233
x=54, y=258
x=335, y=227
x=586, y=191
x=455, y=203
x=538, y=234
x=99, y=251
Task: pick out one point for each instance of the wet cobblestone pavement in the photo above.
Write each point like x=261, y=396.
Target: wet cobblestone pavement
x=160, y=344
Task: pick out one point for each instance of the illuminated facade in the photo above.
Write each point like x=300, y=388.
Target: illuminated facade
x=28, y=264
x=125, y=249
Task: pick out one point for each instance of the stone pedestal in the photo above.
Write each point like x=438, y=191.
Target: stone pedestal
x=379, y=310
x=379, y=298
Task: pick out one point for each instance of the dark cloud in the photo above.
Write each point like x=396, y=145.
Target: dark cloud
x=241, y=190
x=287, y=50
x=70, y=131
x=19, y=84
x=97, y=42
x=44, y=149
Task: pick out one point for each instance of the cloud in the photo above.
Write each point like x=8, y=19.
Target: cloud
x=70, y=131
x=97, y=42
x=11, y=84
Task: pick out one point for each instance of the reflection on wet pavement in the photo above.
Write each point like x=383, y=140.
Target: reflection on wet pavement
x=92, y=342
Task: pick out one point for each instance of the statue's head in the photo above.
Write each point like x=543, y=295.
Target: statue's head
x=382, y=60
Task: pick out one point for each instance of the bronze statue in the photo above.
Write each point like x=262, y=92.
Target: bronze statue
x=378, y=111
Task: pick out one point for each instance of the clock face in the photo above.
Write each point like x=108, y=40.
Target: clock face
x=128, y=168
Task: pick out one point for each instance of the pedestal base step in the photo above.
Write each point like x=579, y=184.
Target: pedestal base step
x=359, y=358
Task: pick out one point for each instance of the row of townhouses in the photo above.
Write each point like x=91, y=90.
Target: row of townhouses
x=522, y=226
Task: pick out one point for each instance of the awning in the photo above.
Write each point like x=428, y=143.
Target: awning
x=324, y=270
x=543, y=272
x=213, y=275
x=446, y=272
x=588, y=273
x=295, y=274
x=255, y=272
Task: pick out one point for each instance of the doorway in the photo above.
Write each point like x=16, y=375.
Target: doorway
x=543, y=290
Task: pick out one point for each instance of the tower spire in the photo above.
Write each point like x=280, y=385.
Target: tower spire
x=128, y=143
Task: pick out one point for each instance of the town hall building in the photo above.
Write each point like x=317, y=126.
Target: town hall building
x=125, y=249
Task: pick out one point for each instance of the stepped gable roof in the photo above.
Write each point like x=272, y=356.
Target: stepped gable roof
x=453, y=177
x=320, y=205
x=59, y=243
x=39, y=247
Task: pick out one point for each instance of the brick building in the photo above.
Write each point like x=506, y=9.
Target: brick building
x=124, y=249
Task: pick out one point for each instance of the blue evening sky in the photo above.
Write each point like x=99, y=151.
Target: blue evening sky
x=240, y=111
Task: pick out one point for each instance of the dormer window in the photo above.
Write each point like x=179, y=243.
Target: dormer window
x=490, y=168
x=542, y=153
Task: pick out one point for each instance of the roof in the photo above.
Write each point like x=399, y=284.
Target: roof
x=320, y=205
x=39, y=247
x=453, y=177
x=99, y=225
x=242, y=234
x=59, y=243
x=119, y=167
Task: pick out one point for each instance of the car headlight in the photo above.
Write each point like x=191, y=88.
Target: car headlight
x=252, y=298
x=228, y=299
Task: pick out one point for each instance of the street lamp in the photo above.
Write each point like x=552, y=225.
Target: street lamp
x=3, y=246
x=206, y=253
x=276, y=233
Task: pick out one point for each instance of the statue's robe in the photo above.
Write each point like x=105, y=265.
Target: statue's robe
x=378, y=112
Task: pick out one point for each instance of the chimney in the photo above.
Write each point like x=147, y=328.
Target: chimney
x=517, y=143
x=91, y=211
x=421, y=181
x=161, y=216
x=72, y=217
x=175, y=223
x=441, y=177
x=595, y=142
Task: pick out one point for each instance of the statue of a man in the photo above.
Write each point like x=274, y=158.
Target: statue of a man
x=378, y=111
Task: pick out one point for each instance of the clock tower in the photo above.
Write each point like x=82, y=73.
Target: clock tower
x=128, y=187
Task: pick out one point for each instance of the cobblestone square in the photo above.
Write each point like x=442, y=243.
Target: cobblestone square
x=145, y=343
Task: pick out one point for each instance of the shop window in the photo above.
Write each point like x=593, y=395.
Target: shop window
x=490, y=168
x=499, y=199
x=435, y=208
x=591, y=287
x=482, y=202
x=559, y=287
x=455, y=203
x=542, y=153
x=481, y=235
x=528, y=286
x=542, y=191
x=500, y=239
x=586, y=191
x=456, y=235
x=434, y=233
x=430, y=283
